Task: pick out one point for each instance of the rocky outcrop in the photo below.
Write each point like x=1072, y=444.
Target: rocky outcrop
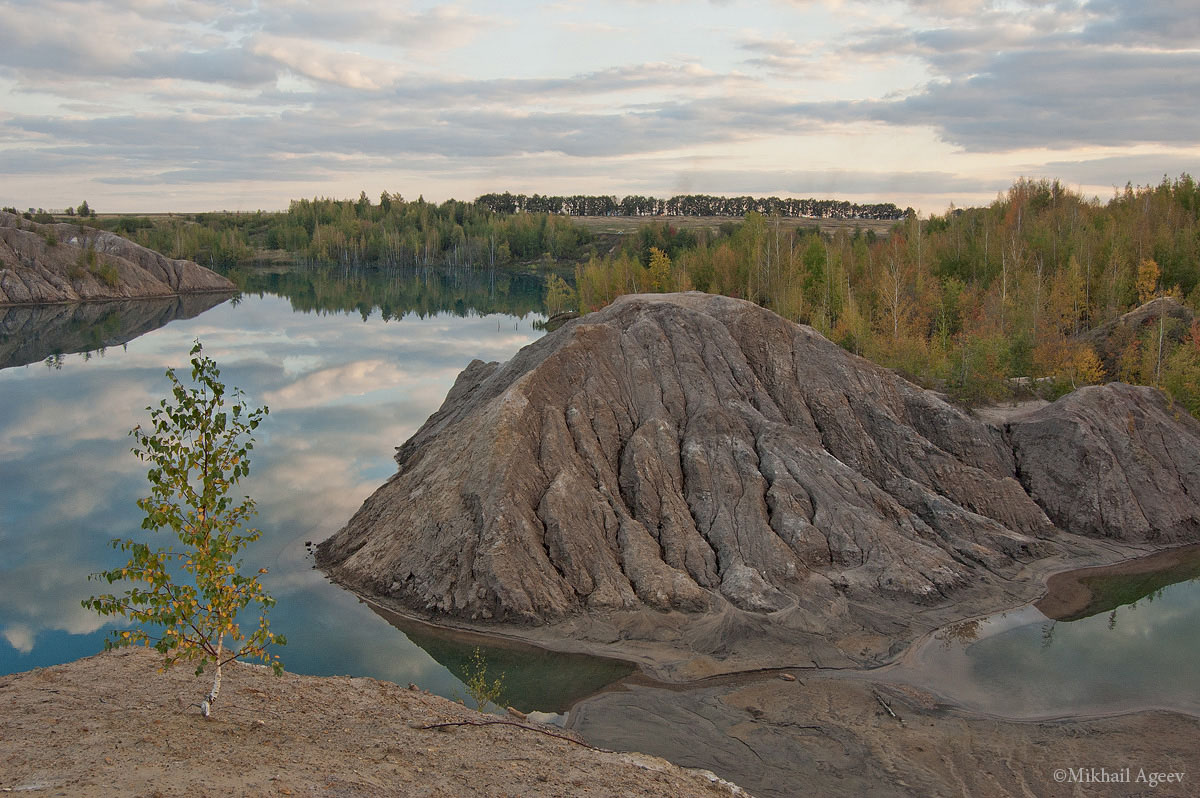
x=700, y=472
x=1113, y=339
x=1113, y=461
x=41, y=263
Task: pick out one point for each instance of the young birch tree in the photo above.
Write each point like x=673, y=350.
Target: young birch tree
x=187, y=602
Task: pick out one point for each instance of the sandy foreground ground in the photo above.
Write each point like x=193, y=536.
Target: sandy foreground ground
x=113, y=725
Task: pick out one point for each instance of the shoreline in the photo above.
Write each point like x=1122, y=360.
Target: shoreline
x=1068, y=595
x=660, y=663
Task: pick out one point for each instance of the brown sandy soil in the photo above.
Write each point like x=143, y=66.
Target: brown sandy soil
x=111, y=725
x=833, y=736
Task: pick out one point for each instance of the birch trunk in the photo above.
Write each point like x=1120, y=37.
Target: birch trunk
x=211, y=698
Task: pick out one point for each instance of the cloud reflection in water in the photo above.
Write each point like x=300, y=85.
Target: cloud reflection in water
x=343, y=391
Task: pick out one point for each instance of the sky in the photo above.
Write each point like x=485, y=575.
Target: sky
x=191, y=105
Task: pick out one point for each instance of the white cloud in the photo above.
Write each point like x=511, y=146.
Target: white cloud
x=20, y=637
x=228, y=103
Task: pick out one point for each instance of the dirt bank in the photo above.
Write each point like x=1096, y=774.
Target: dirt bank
x=111, y=725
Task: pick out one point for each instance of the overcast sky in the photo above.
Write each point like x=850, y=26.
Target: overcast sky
x=141, y=105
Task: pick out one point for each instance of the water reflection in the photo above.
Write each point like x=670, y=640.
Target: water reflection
x=1025, y=664
x=534, y=679
x=343, y=391
x=47, y=333
x=395, y=291
x=1081, y=594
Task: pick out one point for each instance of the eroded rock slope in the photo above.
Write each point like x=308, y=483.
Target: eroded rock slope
x=698, y=472
x=41, y=263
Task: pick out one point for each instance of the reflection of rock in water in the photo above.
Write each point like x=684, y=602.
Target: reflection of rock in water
x=33, y=333
x=534, y=679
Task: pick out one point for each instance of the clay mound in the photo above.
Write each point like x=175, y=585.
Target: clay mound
x=42, y=263
x=1114, y=461
x=699, y=455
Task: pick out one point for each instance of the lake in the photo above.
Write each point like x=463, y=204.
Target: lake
x=351, y=363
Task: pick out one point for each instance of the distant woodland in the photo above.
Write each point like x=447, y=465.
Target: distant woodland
x=688, y=205
x=1022, y=295
x=1025, y=295
x=392, y=232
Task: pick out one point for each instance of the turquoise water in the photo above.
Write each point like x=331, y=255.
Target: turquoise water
x=344, y=388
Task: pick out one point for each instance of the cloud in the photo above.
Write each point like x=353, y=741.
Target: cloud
x=1167, y=23
x=197, y=98
x=1141, y=169
x=830, y=182
x=1057, y=98
x=19, y=637
x=786, y=57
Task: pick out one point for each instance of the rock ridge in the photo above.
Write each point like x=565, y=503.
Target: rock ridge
x=700, y=473
x=51, y=263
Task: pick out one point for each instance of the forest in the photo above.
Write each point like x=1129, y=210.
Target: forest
x=1025, y=295
x=392, y=232
x=688, y=205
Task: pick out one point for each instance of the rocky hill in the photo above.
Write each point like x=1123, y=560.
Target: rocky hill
x=41, y=263
x=696, y=481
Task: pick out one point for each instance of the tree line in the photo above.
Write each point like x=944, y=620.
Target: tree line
x=687, y=205
x=391, y=232
x=979, y=303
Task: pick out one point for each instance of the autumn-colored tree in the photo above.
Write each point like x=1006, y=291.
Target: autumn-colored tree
x=187, y=606
x=559, y=295
x=1148, y=274
x=659, y=271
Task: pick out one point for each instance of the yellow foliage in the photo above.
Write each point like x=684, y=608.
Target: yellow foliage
x=1148, y=274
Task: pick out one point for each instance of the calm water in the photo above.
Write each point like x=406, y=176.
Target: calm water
x=344, y=387
x=1139, y=650
x=350, y=365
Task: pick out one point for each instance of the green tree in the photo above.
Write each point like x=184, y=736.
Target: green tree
x=188, y=601
x=84, y=210
x=559, y=295
x=659, y=271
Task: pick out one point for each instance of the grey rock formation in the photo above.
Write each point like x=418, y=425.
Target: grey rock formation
x=1112, y=339
x=698, y=472
x=41, y=263
x=1113, y=461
